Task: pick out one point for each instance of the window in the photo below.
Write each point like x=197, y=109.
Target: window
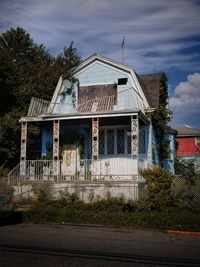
x=197, y=141
x=114, y=141
x=101, y=142
x=110, y=141
x=122, y=81
x=120, y=141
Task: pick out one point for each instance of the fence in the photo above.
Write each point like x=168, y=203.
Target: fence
x=186, y=191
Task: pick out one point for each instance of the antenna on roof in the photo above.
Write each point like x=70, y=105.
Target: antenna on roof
x=122, y=47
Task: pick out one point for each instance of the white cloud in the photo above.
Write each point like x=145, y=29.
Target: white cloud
x=98, y=26
x=160, y=35
x=186, y=100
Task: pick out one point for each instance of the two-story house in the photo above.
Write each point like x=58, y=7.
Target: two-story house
x=95, y=134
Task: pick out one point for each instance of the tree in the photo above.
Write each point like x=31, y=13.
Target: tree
x=26, y=70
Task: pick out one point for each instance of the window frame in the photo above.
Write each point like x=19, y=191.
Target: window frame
x=126, y=129
x=197, y=141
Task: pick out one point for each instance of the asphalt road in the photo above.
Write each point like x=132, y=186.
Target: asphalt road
x=81, y=245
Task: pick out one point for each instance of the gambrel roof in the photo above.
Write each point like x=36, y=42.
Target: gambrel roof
x=149, y=83
x=144, y=90
x=120, y=66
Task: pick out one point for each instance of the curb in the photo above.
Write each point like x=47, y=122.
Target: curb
x=176, y=232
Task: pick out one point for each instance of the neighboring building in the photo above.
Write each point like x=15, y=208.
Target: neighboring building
x=95, y=133
x=188, y=144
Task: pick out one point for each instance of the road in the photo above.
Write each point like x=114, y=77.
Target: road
x=82, y=245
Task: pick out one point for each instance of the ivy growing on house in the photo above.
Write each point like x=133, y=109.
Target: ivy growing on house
x=162, y=115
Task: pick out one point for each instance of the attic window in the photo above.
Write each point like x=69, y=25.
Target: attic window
x=122, y=81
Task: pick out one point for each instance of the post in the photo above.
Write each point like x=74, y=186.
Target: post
x=134, y=136
x=95, y=138
x=56, y=134
x=23, y=148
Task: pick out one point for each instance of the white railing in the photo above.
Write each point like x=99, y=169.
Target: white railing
x=39, y=170
x=115, y=169
x=37, y=107
x=13, y=177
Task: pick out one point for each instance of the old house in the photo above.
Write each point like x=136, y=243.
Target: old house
x=95, y=134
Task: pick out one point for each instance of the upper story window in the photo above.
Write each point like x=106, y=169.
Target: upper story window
x=122, y=81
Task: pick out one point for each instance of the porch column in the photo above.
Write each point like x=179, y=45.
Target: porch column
x=134, y=136
x=23, y=148
x=95, y=138
x=56, y=134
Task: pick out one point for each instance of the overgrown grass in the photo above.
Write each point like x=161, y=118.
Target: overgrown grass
x=110, y=212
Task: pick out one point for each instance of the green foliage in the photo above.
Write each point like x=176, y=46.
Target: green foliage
x=43, y=194
x=110, y=212
x=186, y=168
x=6, y=194
x=162, y=115
x=26, y=70
x=186, y=186
x=158, y=188
x=5, y=189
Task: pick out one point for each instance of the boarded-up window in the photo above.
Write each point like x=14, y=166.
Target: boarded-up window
x=96, y=91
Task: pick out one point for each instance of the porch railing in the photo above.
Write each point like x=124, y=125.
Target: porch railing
x=85, y=170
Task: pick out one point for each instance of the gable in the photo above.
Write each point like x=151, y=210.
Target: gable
x=99, y=73
x=128, y=90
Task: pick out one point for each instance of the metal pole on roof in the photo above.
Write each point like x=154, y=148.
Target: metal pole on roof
x=122, y=47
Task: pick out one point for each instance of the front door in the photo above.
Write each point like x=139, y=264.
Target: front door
x=69, y=162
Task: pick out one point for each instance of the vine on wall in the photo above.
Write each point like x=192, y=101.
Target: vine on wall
x=162, y=116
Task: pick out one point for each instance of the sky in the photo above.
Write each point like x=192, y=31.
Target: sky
x=160, y=36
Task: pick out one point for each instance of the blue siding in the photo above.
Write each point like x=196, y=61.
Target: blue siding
x=169, y=163
x=100, y=74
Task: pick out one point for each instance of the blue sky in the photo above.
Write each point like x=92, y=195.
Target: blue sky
x=160, y=36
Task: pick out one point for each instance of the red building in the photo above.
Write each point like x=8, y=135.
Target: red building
x=188, y=143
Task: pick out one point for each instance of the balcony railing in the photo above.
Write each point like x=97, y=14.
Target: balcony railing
x=37, y=107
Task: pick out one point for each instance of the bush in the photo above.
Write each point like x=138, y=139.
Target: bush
x=6, y=195
x=158, y=188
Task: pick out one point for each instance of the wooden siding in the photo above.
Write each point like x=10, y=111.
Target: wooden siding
x=187, y=146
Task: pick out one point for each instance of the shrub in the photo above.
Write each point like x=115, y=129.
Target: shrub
x=158, y=187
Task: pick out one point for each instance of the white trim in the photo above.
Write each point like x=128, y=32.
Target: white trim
x=196, y=141
x=80, y=116
x=82, y=84
x=55, y=95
